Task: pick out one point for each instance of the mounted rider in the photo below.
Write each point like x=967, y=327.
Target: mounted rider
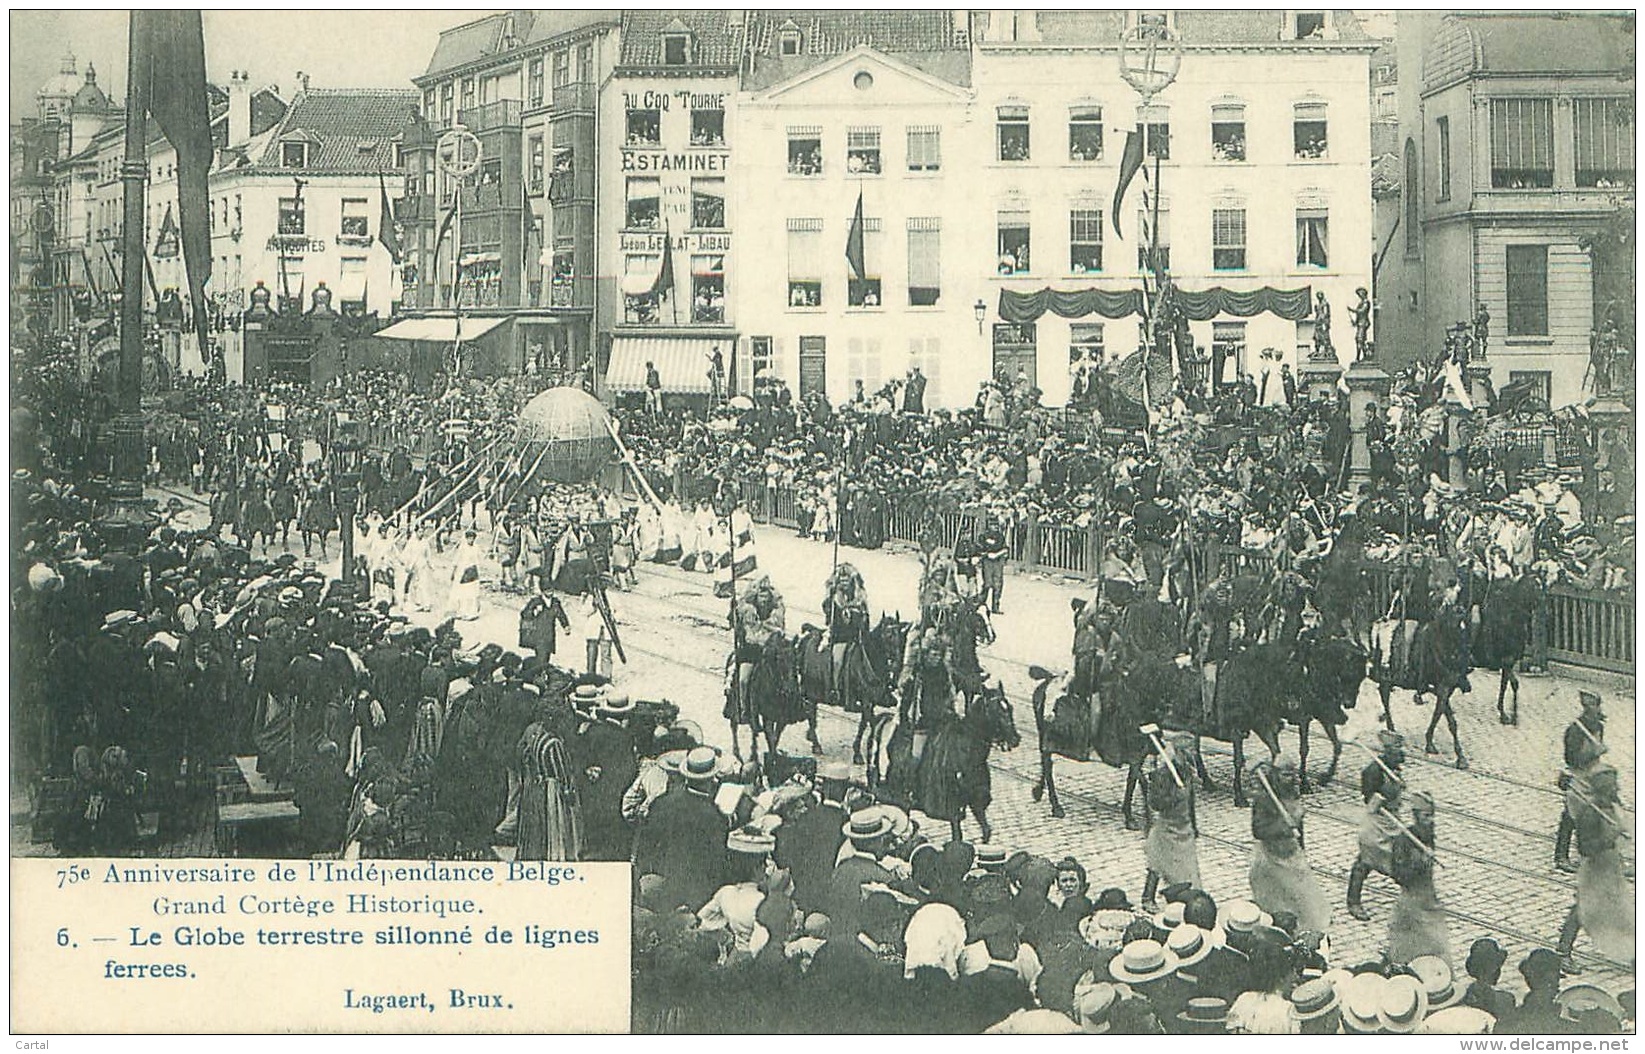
x=845, y=606
x=926, y=685
x=757, y=616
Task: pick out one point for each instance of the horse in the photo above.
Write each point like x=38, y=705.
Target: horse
x=951, y=774
x=968, y=627
x=1431, y=663
x=1330, y=669
x=769, y=700
x=1504, y=633
x=867, y=674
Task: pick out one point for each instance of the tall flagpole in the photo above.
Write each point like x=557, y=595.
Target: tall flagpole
x=134, y=170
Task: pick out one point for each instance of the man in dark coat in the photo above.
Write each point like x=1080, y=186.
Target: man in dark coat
x=540, y=622
x=606, y=767
x=868, y=831
x=998, y=990
x=808, y=844
x=683, y=837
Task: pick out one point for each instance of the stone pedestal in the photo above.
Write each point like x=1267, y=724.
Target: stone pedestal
x=1318, y=378
x=1477, y=375
x=1456, y=461
x=1367, y=384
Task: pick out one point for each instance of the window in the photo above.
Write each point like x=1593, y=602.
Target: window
x=534, y=164
x=788, y=39
x=1085, y=133
x=676, y=49
x=1013, y=228
x=445, y=103
x=237, y=213
x=708, y=288
x=1084, y=240
x=1604, y=132
x=1228, y=239
x=640, y=272
x=430, y=101
x=1541, y=382
x=1442, y=132
x=805, y=152
x=924, y=260
x=924, y=148
x=1085, y=342
x=293, y=155
x=645, y=127
x=562, y=181
x=707, y=127
x=1312, y=238
x=644, y=197
x=1412, y=191
x=356, y=219
x=1015, y=352
x=1162, y=238
x=865, y=291
x=1012, y=131
x=292, y=284
x=1156, y=131
x=862, y=151
x=1309, y=25
x=585, y=63
x=465, y=97
x=534, y=83
x=1527, y=290
x=805, y=263
x=1308, y=131
x=489, y=89
x=708, y=204
x=1227, y=352
x=863, y=362
x=1522, y=143
x=926, y=354
x=291, y=216
x=760, y=354
x=351, y=286
x=1228, y=132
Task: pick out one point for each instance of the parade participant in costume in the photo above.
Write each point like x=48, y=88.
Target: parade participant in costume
x=845, y=606
x=596, y=637
x=1171, y=829
x=759, y=615
x=463, y=602
x=926, y=684
x=1584, y=745
x=1418, y=924
x=1382, y=793
x=1281, y=880
x=1604, y=907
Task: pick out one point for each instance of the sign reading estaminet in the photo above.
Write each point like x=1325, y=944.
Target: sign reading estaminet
x=319, y=946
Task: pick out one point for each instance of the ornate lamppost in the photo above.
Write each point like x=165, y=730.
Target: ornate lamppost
x=346, y=447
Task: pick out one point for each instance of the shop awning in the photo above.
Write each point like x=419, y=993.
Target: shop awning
x=440, y=330
x=682, y=362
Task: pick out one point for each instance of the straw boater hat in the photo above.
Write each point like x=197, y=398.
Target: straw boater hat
x=673, y=760
x=701, y=765
x=1313, y=999
x=1438, y=982
x=586, y=695
x=1189, y=944
x=1170, y=918
x=1404, y=1004
x=1105, y=928
x=991, y=857
x=1457, y=1021
x=616, y=704
x=1361, y=999
x=1142, y=961
x=1204, y=1010
x=1242, y=916
x=865, y=825
x=1093, y=1002
x=751, y=840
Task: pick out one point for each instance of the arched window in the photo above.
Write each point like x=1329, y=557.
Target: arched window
x=1413, y=197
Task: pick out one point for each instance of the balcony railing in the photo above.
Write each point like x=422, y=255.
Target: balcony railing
x=504, y=113
x=575, y=292
x=573, y=97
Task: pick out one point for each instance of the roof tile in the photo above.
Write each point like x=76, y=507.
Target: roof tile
x=715, y=37
x=340, y=120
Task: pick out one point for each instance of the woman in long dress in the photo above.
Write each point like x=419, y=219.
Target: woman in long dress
x=464, y=599
x=1604, y=906
x=1281, y=880
x=1418, y=925
x=550, y=823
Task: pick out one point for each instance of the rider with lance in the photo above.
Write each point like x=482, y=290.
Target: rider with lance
x=845, y=606
x=757, y=616
x=926, y=684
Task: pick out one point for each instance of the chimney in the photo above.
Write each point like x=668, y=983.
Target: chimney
x=239, y=108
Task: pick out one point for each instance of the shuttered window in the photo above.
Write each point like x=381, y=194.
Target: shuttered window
x=924, y=260
x=1604, y=134
x=1228, y=239
x=924, y=148
x=1522, y=143
x=1527, y=290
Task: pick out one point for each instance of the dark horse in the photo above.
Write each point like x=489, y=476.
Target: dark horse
x=1328, y=673
x=951, y=775
x=1431, y=663
x=867, y=675
x=1504, y=632
x=770, y=701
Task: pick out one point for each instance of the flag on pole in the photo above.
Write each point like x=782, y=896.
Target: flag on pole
x=663, y=284
x=528, y=228
x=742, y=527
x=386, y=232
x=1130, y=162
x=854, y=243
x=439, y=240
x=172, y=57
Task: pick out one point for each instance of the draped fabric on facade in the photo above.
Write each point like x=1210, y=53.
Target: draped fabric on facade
x=1198, y=305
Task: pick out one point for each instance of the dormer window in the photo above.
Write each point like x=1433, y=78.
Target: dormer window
x=676, y=49
x=788, y=39
x=294, y=155
x=1308, y=25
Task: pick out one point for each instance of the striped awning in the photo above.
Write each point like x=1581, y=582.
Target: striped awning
x=441, y=330
x=683, y=362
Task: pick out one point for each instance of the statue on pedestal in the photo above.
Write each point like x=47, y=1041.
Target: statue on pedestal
x=1361, y=315
x=1323, y=349
x=1482, y=331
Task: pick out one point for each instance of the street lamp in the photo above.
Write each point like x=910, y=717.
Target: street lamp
x=346, y=445
x=980, y=309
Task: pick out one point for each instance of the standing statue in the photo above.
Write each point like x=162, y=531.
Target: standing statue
x=1482, y=331
x=1361, y=315
x=1324, y=350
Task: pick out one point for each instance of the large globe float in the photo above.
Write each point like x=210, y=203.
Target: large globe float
x=566, y=434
